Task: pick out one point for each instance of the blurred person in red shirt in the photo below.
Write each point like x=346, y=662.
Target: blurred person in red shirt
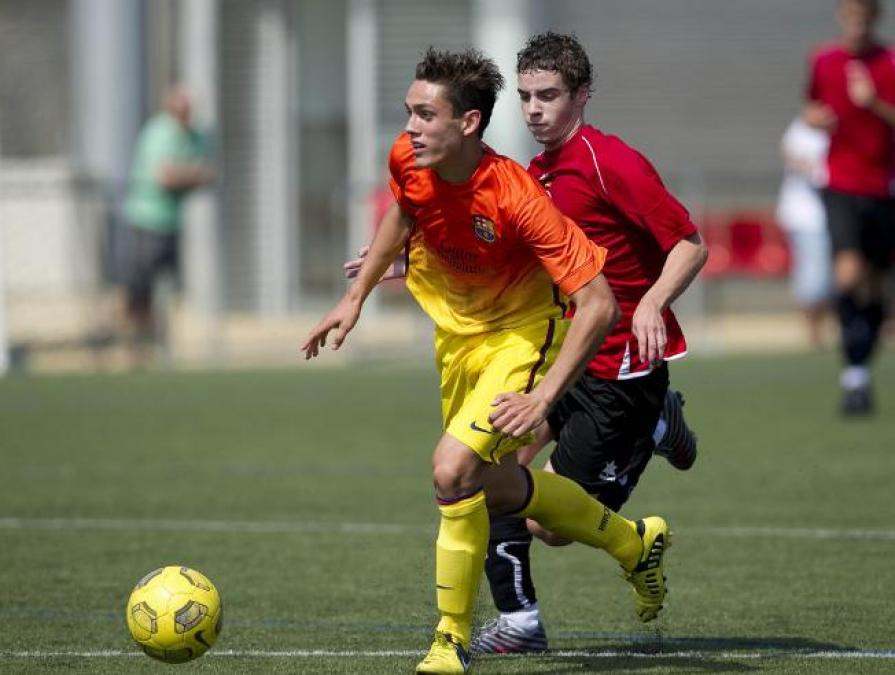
x=851, y=94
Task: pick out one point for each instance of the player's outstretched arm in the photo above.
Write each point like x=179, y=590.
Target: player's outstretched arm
x=595, y=314
x=390, y=238
x=683, y=263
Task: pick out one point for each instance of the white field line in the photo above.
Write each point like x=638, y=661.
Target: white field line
x=569, y=654
x=238, y=526
x=339, y=527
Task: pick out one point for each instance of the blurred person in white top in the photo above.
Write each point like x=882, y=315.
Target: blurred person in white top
x=801, y=214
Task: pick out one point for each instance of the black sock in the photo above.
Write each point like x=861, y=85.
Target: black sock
x=507, y=566
x=875, y=314
x=858, y=334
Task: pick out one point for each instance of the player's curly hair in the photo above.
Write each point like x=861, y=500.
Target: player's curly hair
x=558, y=52
x=470, y=79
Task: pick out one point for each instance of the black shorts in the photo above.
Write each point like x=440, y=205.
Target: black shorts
x=604, y=431
x=864, y=224
x=146, y=255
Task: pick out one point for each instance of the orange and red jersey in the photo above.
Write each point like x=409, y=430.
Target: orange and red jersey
x=492, y=253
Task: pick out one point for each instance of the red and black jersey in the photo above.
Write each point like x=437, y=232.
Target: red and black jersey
x=618, y=199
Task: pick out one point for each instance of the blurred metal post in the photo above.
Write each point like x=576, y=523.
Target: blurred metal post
x=4, y=341
x=202, y=234
x=108, y=82
x=500, y=28
x=275, y=211
x=363, y=174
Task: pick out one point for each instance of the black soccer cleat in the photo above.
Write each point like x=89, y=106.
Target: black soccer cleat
x=856, y=402
x=678, y=445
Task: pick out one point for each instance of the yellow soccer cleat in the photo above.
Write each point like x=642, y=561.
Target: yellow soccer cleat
x=446, y=656
x=647, y=578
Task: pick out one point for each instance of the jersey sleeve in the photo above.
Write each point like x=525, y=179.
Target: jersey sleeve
x=635, y=188
x=886, y=86
x=565, y=252
x=812, y=89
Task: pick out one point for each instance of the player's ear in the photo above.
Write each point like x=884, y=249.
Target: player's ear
x=471, y=121
x=580, y=96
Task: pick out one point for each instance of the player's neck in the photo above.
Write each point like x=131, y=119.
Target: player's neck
x=459, y=168
x=566, y=137
x=858, y=47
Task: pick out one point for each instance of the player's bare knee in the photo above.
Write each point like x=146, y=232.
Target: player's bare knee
x=849, y=271
x=448, y=482
x=454, y=477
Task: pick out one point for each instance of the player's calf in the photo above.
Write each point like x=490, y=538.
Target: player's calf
x=548, y=537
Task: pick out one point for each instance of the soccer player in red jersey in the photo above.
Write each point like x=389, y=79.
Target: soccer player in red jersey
x=606, y=425
x=851, y=94
x=492, y=262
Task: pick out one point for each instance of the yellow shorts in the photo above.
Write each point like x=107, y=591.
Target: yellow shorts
x=475, y=369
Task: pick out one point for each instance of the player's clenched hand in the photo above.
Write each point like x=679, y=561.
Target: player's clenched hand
x=861, y=89
x=819, y=116
x=649, y=329
x=516, y=414
x=340, y=318
x=352, y=267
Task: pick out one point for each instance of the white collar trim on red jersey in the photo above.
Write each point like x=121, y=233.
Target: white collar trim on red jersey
x=596, y=164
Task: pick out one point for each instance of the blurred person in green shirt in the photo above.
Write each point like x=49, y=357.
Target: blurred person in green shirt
x=172, y=158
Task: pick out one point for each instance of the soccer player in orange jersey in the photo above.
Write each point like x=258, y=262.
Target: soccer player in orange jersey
x=493, y=263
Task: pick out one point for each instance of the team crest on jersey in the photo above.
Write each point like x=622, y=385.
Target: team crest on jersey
x=484, y=229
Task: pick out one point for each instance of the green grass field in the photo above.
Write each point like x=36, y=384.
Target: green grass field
x=306, y=496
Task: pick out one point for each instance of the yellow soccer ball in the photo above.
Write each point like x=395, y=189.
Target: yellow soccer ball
x=174, y=614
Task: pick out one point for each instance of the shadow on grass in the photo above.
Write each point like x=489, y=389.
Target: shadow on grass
x=686, y=655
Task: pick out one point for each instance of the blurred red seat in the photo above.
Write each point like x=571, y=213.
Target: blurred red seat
x=745, y=244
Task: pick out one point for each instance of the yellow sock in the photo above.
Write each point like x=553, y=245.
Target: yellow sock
x=562, y=506
x=459, y=562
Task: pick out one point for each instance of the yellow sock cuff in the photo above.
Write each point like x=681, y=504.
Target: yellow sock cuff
x=462, y=506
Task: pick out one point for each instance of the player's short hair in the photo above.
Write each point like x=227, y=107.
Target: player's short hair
x=872, y=6
x=471, y=80
x=558, y=52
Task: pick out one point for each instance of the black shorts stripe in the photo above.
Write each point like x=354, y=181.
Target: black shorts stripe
x=557, y=300
x=542, y=357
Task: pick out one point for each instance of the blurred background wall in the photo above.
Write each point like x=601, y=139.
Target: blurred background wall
x=303, y=99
